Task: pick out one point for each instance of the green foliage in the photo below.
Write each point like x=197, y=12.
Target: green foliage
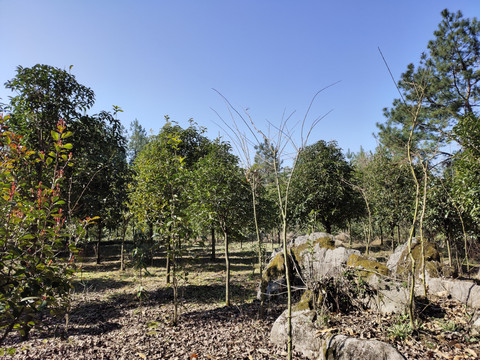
x=99, y=182
x=45, y=94
x=319, y=185
x=401, y=328
x=220, y=191
x=466, y=179
x=34, y=275
x=388, y=185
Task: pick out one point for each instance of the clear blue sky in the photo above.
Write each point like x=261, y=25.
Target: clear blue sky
x=156, y=58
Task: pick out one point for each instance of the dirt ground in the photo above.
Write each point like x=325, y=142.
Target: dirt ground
x=126, y=315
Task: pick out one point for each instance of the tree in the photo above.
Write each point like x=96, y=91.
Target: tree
x=448, y=76
x=137, y=140
x=97, y=185
x=320, y=185
x=35, y=276
x=45, y=94
x=221, y=193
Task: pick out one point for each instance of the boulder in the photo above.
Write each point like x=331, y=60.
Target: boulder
x=475, y=331
x=303, y=333
x=314, y=257
x=308, y=341
x=388, y=296
x=400, y=263
x=318, y=257
x=464, y=291
x=341, y=347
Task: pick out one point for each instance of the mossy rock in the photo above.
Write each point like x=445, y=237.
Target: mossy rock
x=370, y=266
x=306, y=301
x=432, y=260
x=323, y=242
x=309, y=301
x=275, y=269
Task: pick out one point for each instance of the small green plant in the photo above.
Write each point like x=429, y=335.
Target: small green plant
x=323, y=319
x=401, y=328
x=448, y=326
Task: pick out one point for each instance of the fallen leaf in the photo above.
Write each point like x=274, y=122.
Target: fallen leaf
x=471, y=352
x=142, y=355
x=326, y=330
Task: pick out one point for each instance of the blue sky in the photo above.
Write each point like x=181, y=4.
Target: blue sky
x=156, y=58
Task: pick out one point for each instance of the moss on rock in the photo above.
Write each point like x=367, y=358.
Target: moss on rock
x=275, y=269
x=370, y=266
x=323, y=242
x=306, y=301
x=432, y=260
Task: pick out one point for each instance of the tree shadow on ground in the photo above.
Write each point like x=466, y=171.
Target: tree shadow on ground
x=88, y=265
x=89, y=285
x=227, y=314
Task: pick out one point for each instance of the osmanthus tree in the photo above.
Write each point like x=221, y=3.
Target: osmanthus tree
x=44, y=94
x=35, y=276
x=160, y=169
x=98, y=184
x=220, y=192
x=320, y=184
x=389, y=187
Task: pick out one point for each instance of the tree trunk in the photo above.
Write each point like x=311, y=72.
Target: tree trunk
x=150, y=232
x=99, y=239
x=122, y=248
x=449, y=249
x=381, y=235
x=398, y=233
x=227, y=269
x=289, y=292
x=213, y=243
x=167, y=259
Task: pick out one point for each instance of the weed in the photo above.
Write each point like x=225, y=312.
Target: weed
x=401, y=328
x=448, y=326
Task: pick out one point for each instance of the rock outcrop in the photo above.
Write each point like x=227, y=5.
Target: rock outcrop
x=400, y=262
x=313, y=257
x=308, y=341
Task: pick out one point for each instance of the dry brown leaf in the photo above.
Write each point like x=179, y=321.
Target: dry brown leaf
x=142, y=355
x=471, y=352
x=438, y=352
x=323, y=331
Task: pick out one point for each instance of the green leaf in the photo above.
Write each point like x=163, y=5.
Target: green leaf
x=55, y=135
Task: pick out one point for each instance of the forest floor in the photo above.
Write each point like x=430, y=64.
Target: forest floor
x=128, y=315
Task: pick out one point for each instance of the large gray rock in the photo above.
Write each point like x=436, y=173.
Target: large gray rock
x=464, y=291
x=315, y=257
x=341, y=347
x=318, y=257
x=391, y=296
x=303, y=333
x=400, y=263
x=337, y=347
x=395, y=258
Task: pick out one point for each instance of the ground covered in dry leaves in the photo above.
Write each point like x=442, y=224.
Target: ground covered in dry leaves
x=109, y=320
